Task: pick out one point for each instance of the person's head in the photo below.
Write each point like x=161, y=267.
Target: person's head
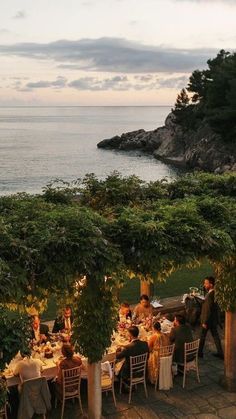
x=35, y=322
x=133, y=332
x=157, y=327
x=209, y=283
x=67, y=350
x=25, y=353
x=124, y=309
x=144, y=300
x=179, y=320
x=67, y=312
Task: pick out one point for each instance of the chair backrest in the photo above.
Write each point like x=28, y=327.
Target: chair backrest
x=71, y=380
x=110, y=382
x=138, y=365
x=191, y=350
x=32, y=381
x=109, y=357
x=166, y=351
x=36, y=392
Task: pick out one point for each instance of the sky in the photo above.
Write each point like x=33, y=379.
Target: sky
x=107, y=52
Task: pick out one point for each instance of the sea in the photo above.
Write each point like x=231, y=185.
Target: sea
x=40, y=144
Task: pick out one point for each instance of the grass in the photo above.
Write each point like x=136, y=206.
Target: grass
x=177, y=284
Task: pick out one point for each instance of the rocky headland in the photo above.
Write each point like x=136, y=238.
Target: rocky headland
x=194, y=149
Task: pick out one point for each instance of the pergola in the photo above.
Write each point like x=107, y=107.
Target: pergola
x=48, y=242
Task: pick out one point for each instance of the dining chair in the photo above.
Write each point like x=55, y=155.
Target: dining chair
x=190, y=359
x=138, y=365
x=35, y=397
x=165, y=352
x=3, y=411
x=107, y=381
x=71, y=380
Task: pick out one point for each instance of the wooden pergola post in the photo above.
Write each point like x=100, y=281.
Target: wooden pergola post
x=94, y=391
x=229, y=379
x=146, y=288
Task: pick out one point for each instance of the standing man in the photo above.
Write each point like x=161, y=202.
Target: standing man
x=210, y=318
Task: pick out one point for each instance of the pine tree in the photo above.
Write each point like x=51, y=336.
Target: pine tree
x=182, y=100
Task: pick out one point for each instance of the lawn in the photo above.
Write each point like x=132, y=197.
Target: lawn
x=177, y=284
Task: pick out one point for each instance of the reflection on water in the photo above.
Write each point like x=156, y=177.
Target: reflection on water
x=43, y=143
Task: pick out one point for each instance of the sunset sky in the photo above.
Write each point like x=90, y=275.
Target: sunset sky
x=107, y=52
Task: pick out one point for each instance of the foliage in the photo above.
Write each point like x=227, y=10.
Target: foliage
x=44, y=244
x=15, y=334
x=118, y=226
x=60, y=192
x=213, y=97
x=226, y=284
x=156, y=242
x=95, y=318
x=113, y=191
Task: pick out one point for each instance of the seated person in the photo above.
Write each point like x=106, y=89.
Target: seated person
x=28, y=368
x=143, y=310
x=157, y=340
x=179, y=335
x=40, y=331
x=135, y=347
x=125, y=311
x=64, y=322
x=70, y=361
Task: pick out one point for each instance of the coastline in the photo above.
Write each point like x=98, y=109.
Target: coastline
x=200, y=149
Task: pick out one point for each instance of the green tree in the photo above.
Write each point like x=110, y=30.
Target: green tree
x=213, y=97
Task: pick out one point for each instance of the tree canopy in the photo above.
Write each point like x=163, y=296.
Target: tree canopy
x=212, y=97
x=102, y=230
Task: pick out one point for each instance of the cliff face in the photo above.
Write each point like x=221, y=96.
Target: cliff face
x=199, y=149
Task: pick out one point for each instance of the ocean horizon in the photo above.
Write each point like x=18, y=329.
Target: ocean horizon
x=41, y=143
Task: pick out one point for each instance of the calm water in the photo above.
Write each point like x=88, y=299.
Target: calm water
x=44, y=143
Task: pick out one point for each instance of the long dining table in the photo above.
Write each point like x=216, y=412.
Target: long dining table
x=49, y=367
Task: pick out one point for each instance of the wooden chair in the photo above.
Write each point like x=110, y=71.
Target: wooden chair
x=164, y=352
x=107, y=382
x=71, y=379
x=3, y=412
x=190, y=358
x=138, y=366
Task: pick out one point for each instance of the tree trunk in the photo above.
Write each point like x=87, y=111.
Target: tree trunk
x=94, y=391
x=229, y=379
x=145, y=288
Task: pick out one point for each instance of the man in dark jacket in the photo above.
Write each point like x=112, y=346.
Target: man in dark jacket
x=65, y=322
x=179, y=335
x=210, y=318
x=40, y=331
x=135, y=347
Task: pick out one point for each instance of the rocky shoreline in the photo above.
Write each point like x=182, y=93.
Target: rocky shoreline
x=200, y=149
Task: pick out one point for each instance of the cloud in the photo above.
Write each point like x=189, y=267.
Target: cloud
x=112, y=55
x=20, y=14
x=3, y=31
x=173, y=82
x=95, y=84
x=145, y=78
x=116, y=83
x=59, y=83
